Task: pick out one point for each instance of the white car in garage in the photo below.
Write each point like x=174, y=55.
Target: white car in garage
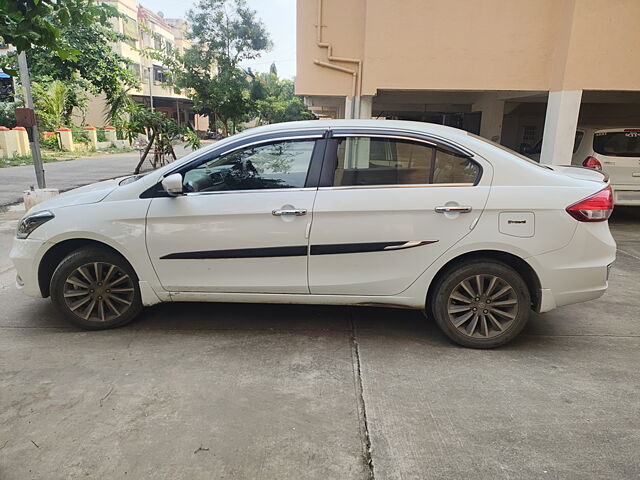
x=358, y=212
x=615, y=151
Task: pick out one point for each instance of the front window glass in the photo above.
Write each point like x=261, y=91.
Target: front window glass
x=274, y=165
x=618, y=144
x=390, y=161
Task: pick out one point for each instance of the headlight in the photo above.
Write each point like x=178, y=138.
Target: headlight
x=29, y=223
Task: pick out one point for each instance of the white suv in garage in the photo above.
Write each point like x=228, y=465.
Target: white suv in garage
x=359, y=212
x=615, y=151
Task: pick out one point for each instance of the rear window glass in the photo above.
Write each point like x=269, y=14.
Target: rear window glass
x=617, y=144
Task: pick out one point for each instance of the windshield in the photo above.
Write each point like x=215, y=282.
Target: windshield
x=618, y=144
x=508, y=150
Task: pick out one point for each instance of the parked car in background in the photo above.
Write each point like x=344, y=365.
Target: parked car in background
x=615, y=151
x=360, y=212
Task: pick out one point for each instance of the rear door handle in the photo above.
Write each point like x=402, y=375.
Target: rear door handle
x=453, y=209
x=296, y=212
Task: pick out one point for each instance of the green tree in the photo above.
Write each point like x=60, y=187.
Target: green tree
x=161, y=130
x=224, y=33
x=38, y=23
x=98, y=70
x=275, y=100
x=52, y=104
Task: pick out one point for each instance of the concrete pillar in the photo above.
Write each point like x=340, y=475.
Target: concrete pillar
x=33, y=197
x=8, y=142
x=66, y=139
x=366, y=107
x=561, y=122
x=110, y=133
x=92, y=133
x=23, y=140
x=492, y=114
x=349, y=105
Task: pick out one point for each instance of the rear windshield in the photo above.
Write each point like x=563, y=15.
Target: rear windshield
x=617, y=144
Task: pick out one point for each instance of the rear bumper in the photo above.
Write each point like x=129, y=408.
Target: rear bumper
x=578, y=272
x=626, y=195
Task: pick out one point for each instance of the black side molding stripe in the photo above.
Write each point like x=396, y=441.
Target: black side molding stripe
x=339, y=248
x=297, y=251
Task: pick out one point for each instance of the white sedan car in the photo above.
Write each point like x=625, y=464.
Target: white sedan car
x=358, y=212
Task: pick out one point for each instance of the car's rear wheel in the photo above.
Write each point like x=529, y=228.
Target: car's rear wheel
x=96, y=289
x=481, y=304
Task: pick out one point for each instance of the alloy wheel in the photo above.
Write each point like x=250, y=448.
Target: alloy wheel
x=482, y=306
x=98, y=291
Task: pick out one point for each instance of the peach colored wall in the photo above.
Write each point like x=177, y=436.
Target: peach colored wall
x=472, y=44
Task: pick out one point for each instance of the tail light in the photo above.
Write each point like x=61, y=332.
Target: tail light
x=592, y=162
x=595, y=208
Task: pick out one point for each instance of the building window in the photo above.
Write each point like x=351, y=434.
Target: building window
x=134, y=68
x=159, y=75
x=157, y=42
x=529, y=135
x=130, y=29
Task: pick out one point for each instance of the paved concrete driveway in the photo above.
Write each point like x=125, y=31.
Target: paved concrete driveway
x=202, y=391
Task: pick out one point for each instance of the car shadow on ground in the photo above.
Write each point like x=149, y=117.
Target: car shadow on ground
x=209, y=318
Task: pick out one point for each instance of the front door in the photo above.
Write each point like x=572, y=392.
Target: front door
x=242, y=224
x=389, y=207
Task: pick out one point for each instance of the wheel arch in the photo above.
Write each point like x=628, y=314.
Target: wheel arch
x=527, y=272
x=54, y=255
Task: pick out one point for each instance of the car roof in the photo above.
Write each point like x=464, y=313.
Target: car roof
x=421, y=127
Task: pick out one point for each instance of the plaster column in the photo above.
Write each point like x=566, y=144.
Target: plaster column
x=561, y=122
x=110, y=133
x=492, y=114
x=23, y=140
x=66, y=139
x=8, y=142
x=366, y=107
x=92, y=133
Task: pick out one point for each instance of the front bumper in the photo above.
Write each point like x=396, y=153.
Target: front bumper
x=25, y=255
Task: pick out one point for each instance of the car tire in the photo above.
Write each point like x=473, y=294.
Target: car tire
x=96, y=289
x=481, y=304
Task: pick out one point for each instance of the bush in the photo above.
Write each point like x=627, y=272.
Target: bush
x=101, y=136
x=80, y=136
x=50, y=142
x=7, y=114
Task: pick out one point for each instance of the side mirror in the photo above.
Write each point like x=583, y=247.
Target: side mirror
x=173, y=184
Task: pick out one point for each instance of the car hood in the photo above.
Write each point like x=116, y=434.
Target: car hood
x=581, y=173
x=93, y=193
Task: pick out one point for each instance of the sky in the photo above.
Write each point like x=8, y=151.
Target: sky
x=279, y=16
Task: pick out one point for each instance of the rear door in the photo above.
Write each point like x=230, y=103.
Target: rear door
x=388, y=206
x=618, y=150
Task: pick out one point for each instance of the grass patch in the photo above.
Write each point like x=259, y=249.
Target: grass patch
x=49, y=156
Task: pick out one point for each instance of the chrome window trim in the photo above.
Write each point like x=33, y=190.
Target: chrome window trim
x=409, y=185
x=246, y=145
x=382, y=135
x=254, y=190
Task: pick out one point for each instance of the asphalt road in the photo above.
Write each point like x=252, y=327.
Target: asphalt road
x=202, y=391
x=70, y=174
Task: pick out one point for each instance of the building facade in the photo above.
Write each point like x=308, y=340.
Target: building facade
x=149, y=30
x=513, y=71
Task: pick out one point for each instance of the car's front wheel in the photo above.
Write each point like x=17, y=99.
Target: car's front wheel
x=481, y=304
x=96, y=289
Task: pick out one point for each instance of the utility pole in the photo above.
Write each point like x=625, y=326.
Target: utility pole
x=34, y=137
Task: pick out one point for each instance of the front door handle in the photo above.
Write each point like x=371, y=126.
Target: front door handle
x=453, y=209
x=296, y=212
